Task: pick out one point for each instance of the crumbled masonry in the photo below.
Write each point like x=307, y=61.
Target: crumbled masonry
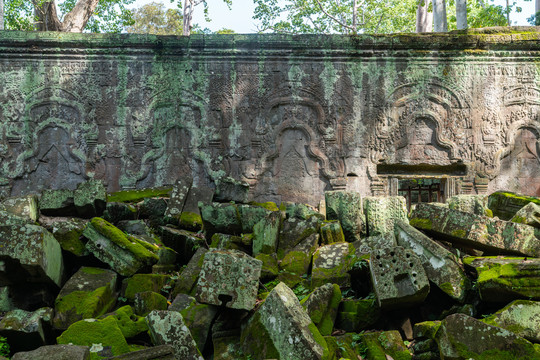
x=275, y=282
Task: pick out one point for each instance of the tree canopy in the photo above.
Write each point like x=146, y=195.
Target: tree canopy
x=153, y=18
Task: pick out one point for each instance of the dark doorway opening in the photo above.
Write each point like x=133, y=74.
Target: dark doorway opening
x=421, y=190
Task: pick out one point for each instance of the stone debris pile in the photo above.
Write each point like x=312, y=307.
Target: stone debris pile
x=178, y=273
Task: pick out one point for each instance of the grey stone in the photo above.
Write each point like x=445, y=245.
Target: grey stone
x=187, y=280
x=440, y=264
x=221, y=218
x=266, y=234
x=474, y=204
x=398, y=277
x=375, y=242
x=68, y=232
x=56, y=352
x=27, y=330
x=23, y=206
x=229, y=278
x=178, y=197
x=381, y=212
x=294, y=231
x=331, y=264
x=528, y=215
x=90, y=198
x=168, y=328
x=57, y=203
x=160, y=352
x=522, y=317
x=346, y=206
x=117, y=211
x=281, y=329
x=184, y=242
x=229, y=189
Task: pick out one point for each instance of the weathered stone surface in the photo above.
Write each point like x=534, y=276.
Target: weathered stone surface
x=136, y=195
x=56, y=352
x=281, y=329
x=331, y=264
x=356, y=315
x=143, y=282
x=229, y=278
x=68, y=232
x=331, y=232
x=198, y=193
x=123, y=253
x=90, y=198
x=294, y=231
x=153, y=208
x=161, y=352
x=89, y=293
x=187, y=280
x=463, y=337
x=375, y=242
x=147, y=301
x=57, y=203
x=266, y=234
x=522, y=317
x=474, y=204
x=528, y=215
x=506, y=279
x=229, y=189
x=30, y=253
x=251, y=215
x=168, y=328
x=128, y=322
x=117, y=211
x=27, y=330
x=23, y=206
x=384, y=344
x=232, y=242
x=178, y=196
x=184, y=242
x=505, y=204
x=398, y=277
x=104, y=337
x=322, y=306
x=381, y=212
x=476, y=231
x=298, y=260
x=440, y=264
x=197, y=317
x=346, y=206
x=222, y=218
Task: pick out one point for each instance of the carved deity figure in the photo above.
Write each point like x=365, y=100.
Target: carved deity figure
x=420, y=144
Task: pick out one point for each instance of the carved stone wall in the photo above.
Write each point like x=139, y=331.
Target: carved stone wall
x=292, y=116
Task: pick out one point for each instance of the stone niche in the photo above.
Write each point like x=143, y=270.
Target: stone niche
x=292, y=117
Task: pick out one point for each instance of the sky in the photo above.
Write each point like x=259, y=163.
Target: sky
x=239, y=17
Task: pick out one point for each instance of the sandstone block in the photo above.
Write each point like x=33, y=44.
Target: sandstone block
x=266, y=234
x=27, y=330
x=331, y=232
x=23, y=206
x=474, y=204
x=528, y=215
x=381, y=211
x=322, y=306
x=505, y=204
x=57, y=352
x=178, y=196
x=346, y=206
x=331, y=264
x=187, y=280
x=522, y=317
x=57, y=203
x=229, y=278
x=90, y=198
x=229, y=189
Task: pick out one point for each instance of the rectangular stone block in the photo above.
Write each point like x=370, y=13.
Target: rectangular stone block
x=346, y=206
x=476, y=231
x=230, y=278
x=505, y=204
x=381, y=211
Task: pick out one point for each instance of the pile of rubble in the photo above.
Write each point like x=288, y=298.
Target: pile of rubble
x=189, y=273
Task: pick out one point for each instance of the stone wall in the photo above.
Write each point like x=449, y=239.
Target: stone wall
x=292, y=116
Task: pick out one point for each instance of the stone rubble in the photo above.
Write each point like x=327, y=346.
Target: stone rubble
x=176, y=273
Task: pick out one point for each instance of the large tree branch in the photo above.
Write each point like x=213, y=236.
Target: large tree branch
x=333, y=18
x=74, y=21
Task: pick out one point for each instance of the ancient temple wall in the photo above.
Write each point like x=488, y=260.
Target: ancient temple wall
x=292, y=116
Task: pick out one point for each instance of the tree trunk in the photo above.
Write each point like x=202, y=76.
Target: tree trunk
x=508, y=12
x=1, y=14
x=188, y=13
x=536, y=11
x=74, y=21
x=439, y=16
x=424, y=22
x=461, y=14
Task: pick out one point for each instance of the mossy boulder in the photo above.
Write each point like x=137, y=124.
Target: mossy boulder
x=331, y=264
x=294, y=231
x=505, y=204
x=322, y=307
x=133, y=196
x=463, y=337
x=281, y=329
x=269, y=268
x=331, y=232
x=381, y=344
x=129, y=323
x=479, y=232
x=190, y=221
x=522, y=317
x=68, y=232
x=346, y=206
x=169, y=328
x=125, y=254
x=89, y=293
x=381, y=211
x=57, y=203
x=357, y=314
x=266, y=234
x=29, y=253
x=506, y=279
x=221, y=218
x=147, y=301
x=144, y=282
x=90, y=198
x=251, y=215
x=104, y=337
x=27, y=330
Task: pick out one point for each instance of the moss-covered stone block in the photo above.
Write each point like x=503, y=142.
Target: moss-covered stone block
x=294, y=231
x=129, y=323
x=89, y=293
x=379, y=344
x=27, y=330
x=186, y=282
x=190, y=221
x=357, y=314
x=178, y=196
x=426, y=329
x=229, y=189
x=381, y=211
x=522, y=317
x=184, y=242
x=133, y=196
x=104, y=337
x=528, y=215
x=506, y=279
x=398, y=277
x=147, y=301
x=322, y=307
x=463, y=337
x=331, y=264
x=57, y=203
x=229, y=278
x=123, y=253
x=331, y=232
x=296, y=262
x=251, y=215
x=144, y=282
x=266, y=234
x=116, y=211
x=346, y=206
x=232, y=242
x=474, y=204
x=221, y=218
x=169, y=328
x=30, y=253
x=441, y=265
x=90, y=198
x=269, y=269
x=476, y=231
x=281, y=329
x=68, y=232
x=505, y=204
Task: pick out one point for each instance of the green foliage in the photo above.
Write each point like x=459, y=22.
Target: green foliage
x=4, y=347
x=301, y=291
x=18, y=15
x=153, y=18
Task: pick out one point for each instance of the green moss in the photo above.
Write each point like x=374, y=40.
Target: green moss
x=79, y=305
x=130, y=324
x=459, y=233
x=130, y=243
x=144, y=282
x=138, y=195
x=319, y=339
x=191, y=221
x=425, y=224
x=93, y=270
x=269, y=205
